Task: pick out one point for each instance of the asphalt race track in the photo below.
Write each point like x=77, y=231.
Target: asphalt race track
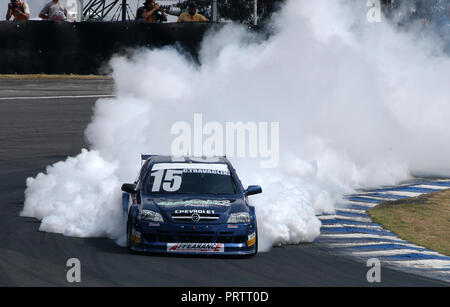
x=36, y=132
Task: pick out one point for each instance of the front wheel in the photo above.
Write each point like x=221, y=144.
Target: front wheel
x=129, y=231
x=256, y=244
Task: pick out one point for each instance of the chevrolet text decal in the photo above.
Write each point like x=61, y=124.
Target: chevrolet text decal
x=199, y=211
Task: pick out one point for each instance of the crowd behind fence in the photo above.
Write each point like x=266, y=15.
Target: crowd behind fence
x=98, y=10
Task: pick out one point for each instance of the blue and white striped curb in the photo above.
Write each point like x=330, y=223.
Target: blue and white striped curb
x=350, y=230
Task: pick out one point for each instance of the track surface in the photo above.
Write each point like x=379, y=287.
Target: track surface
x=38, y=132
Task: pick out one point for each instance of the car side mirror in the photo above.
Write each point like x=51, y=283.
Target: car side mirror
x=252, y=190
x=129, y=188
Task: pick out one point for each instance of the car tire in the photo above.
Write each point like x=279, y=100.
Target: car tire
x=129, y=231
x=256, y=244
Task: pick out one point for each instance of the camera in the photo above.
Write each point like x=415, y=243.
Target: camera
x=172, y=10
x=13, y=5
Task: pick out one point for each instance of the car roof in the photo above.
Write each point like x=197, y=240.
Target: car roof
x=152, y=159
x=169, y=159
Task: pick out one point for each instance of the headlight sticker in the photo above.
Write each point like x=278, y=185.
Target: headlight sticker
x=239, y=218
x=149, y=215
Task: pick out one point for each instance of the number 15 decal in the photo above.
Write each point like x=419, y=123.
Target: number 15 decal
x=171, y=182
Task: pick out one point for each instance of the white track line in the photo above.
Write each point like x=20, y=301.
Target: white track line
x=56, y=97
x=402, y=193
x=424, y=263
x=360, y=203
x=379, y=197
x=345, y=217
x=358, y=236
x=402, y=243
x=429, y=186
x=370, y=197
x=343, y=209
x=353, y=226
x=393, y=252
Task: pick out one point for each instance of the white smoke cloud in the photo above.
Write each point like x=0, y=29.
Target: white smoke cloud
x=75, y=197
x=359, y=105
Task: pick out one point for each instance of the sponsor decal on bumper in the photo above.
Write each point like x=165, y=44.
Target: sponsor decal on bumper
x=251, y=239
x=196, y=247
x=136, y=236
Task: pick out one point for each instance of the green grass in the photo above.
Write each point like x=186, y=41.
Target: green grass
x=422, y=220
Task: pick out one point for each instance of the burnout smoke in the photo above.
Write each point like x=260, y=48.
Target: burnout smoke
x=358, y=105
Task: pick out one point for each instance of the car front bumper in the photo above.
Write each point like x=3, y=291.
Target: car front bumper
x=208, y=239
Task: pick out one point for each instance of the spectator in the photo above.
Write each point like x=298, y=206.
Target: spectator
x=151, y=12
x=20, y=10
x=54, y=10
x=191, y=15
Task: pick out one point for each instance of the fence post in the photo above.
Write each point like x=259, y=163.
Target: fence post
x=255, y=12
x=214, y=11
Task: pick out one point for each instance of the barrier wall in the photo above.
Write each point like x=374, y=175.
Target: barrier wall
x=55, y=47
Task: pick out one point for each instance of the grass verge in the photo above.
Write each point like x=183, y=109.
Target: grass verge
x=422, y=220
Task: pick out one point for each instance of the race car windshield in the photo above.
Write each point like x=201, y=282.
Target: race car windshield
x=191, y=178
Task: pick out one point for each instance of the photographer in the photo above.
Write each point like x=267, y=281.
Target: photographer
x=151, y=12
x=54, y=10
x=19, y=10
x=191, y=15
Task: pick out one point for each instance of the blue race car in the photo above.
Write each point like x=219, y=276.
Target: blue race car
x=189, y=206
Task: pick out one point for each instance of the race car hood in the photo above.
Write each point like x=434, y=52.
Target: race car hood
x=221, y=208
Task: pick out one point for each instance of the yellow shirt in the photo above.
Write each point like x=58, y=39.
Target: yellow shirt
x=186, y=17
